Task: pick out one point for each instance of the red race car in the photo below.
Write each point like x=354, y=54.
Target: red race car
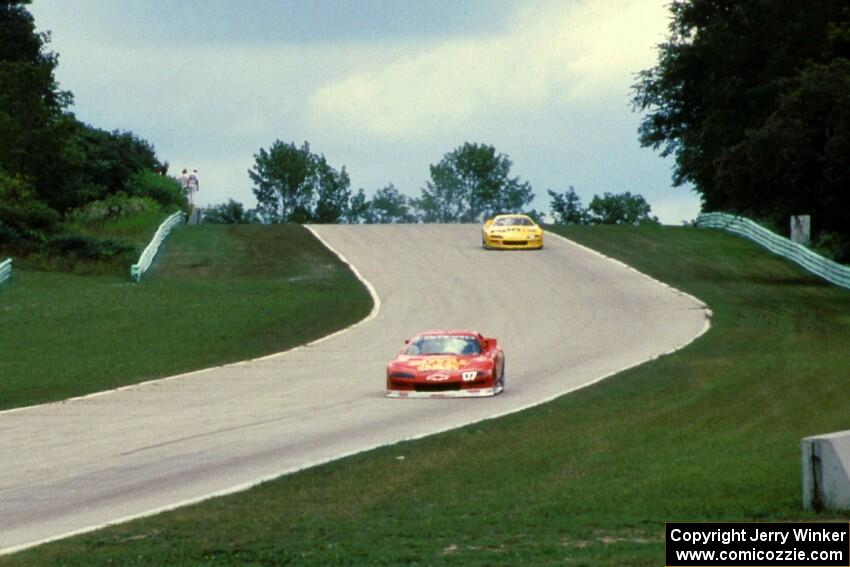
x=443, y=364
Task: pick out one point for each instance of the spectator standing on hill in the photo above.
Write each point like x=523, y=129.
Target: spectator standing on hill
x=193, y=186
x=183, y=180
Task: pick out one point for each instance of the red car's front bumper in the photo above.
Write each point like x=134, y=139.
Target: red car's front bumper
x=441, y=385
x=470, y=393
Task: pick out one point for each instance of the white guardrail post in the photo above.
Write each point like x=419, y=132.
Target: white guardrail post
x=5, y=270
x=831, y=271
x=138, y=269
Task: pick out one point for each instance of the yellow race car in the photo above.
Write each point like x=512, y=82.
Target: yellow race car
x=511, y=232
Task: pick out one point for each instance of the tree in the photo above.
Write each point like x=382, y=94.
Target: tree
x=566, y=207
x=444, y=199
x=724, y=83
x=798, y=161
x=232, y=212
x=333, y=193
x=358, y=208
x=388, y=206
x=471, y=183
x=101, y=163
x=33, y=129
x=282, y=180
x=294, y=185
x=622, y=208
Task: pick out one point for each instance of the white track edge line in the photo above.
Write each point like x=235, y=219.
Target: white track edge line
x=267, y=478
x=703, y=305
x=376, y=307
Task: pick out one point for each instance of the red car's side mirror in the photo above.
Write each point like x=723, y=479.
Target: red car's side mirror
x=490, y=344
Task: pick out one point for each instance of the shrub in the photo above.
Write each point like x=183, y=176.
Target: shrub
x=10, y=236
x=621, y=208
x=162, y=189
x=89, y=247
x=107, y=161
x=232, y=212
x=24, y=221
x=566, y=207
x=833, y=245
x=112, y=207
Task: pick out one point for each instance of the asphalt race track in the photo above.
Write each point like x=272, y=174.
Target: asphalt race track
x=565, y=317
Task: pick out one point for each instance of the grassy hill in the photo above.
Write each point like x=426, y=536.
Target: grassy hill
x=218, y=294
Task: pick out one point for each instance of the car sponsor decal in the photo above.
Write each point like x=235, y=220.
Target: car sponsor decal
x=438, y=363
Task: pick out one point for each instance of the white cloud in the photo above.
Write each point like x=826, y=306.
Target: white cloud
x=553, y=54
x=550, y=88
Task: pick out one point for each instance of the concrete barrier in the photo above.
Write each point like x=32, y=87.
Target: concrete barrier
x=196, y=216
x=825, y=461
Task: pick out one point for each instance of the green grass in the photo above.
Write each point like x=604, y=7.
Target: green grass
x=709, y=433
x=217, y=294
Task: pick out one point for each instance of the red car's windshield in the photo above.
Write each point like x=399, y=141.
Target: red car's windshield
x=443, y=344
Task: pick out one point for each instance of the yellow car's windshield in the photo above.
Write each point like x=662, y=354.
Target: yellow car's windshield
x=513, y=221
x=443, y=344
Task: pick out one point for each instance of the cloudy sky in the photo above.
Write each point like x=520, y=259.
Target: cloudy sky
x=383, y=87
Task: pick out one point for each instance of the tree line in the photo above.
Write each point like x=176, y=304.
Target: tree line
x=751, y=98
x=62, y=180
x=470, y=183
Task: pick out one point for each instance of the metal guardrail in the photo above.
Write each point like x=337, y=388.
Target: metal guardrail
x=5, y=270
x=138, y=269
x=787, y=248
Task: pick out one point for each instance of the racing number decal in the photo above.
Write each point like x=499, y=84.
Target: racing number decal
x=469, y=376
